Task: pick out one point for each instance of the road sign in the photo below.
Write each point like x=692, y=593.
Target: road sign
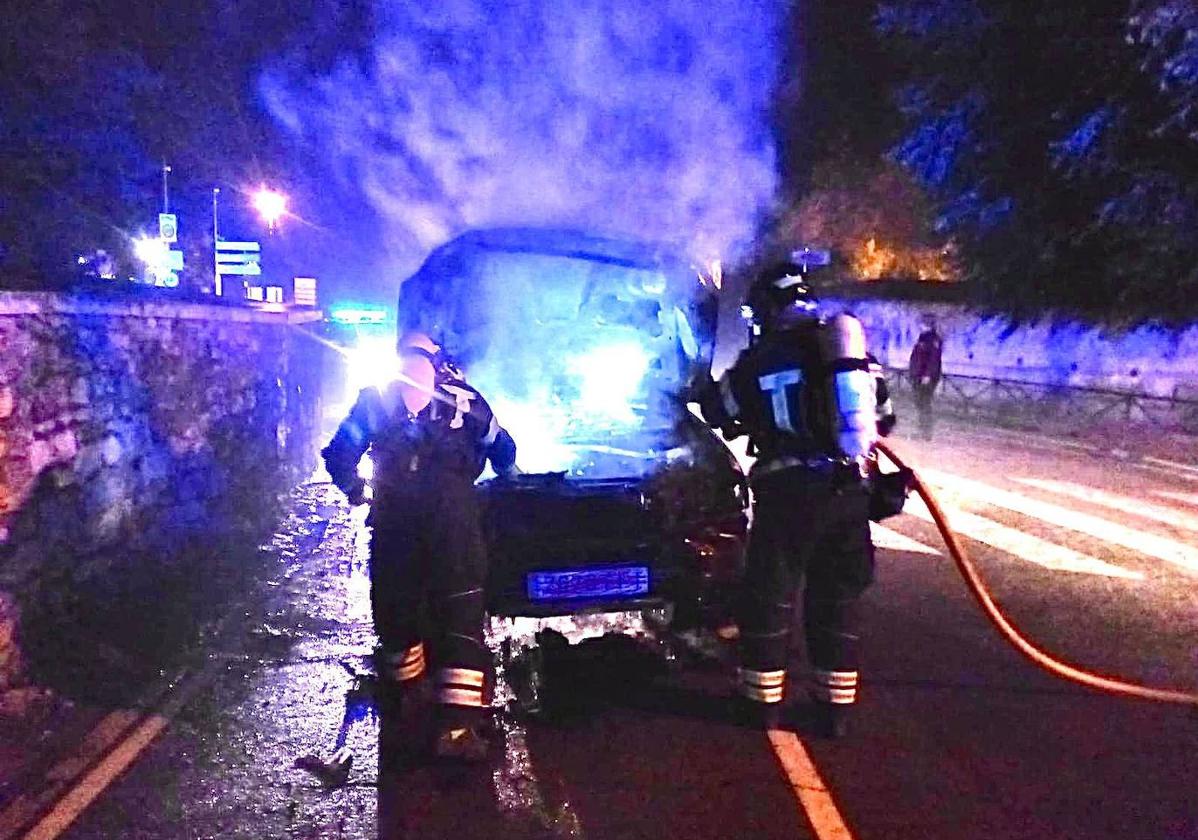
x=245, y=270
x=243, y=258
x=174, y=260
x=237, y=258
x=168, y=227
x=304, y=291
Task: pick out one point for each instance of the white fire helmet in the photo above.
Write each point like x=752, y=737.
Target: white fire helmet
x=418, y=372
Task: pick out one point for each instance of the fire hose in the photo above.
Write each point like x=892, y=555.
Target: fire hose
x=1008, y=630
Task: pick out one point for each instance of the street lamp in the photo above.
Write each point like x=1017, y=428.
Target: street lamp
x=155, y=253
x=216, y=242
x=271, y=206
x=151, y=251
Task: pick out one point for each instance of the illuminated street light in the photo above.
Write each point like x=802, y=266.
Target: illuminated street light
x=153, y=252
x=156, y=253
x=271, y=206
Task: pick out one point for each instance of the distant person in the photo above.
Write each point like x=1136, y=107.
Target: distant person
x=924, y=369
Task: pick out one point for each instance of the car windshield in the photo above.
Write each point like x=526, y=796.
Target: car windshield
x=582, y=358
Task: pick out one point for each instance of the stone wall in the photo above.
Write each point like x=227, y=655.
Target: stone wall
x=1151, y=361
x=130, y=433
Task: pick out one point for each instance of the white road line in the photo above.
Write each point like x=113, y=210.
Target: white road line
x=1171, y=551
x=814, y=796
x=1169, y=471
x=1024, y=546
x=1042, y=440
x=1173, y=465
x=884, y=537
x=1127, y=504
x=1185, y=498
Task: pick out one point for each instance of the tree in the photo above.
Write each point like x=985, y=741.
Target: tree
x=1054, y=158
x=873, y=216
x=835, y=122
x=1168, y=30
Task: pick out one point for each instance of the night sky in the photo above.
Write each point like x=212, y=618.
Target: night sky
x=1054, y=148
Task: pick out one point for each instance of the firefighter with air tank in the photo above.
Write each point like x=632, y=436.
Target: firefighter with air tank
x=813, y=403
x=430, y=435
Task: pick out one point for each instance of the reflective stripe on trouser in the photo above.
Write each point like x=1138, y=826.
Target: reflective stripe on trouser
x=406, y=666
x=838, y=687
x=761, y=686
x=460, y=687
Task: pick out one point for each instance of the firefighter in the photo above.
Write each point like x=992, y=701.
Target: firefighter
x=807, y=395
x=429, y=434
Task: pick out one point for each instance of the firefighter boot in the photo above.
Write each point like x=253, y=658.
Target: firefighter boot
x=831, y=720
x=752, y=714
x=461, y=743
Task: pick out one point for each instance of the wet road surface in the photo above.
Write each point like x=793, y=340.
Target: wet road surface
x=956, y=736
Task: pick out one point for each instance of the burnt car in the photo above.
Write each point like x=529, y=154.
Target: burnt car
x=586, y=348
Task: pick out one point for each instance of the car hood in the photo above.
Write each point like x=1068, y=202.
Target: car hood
x=581, y=344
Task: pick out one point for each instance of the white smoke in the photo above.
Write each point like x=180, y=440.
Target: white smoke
x=640, y=118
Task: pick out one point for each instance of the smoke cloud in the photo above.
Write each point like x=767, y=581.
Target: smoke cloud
x=621, y=117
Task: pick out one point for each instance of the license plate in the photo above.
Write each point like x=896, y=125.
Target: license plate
x=607, y=582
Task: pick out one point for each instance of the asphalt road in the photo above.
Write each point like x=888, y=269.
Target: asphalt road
x=957, y=736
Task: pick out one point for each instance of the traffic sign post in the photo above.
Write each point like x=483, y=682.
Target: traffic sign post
x=239, y=259
x=168, y=227
x=304, y=291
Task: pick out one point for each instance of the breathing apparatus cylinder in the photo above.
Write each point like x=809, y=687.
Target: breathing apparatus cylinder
x=852, y=401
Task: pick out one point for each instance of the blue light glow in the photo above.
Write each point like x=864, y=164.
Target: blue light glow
x=609, y=378
x=580, y=344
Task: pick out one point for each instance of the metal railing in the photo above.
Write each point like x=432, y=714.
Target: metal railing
x=1008, y=398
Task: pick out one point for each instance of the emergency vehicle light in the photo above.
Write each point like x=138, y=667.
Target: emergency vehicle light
x=359, y=315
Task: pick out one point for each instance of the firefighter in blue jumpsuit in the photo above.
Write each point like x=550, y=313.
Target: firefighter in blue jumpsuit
x=812, y=402
x=429, y=434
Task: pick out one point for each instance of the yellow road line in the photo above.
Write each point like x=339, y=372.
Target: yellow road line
x=24, y=808
x=813, y=794
x=95, y=742
x=85, y=791
x=97, y=780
